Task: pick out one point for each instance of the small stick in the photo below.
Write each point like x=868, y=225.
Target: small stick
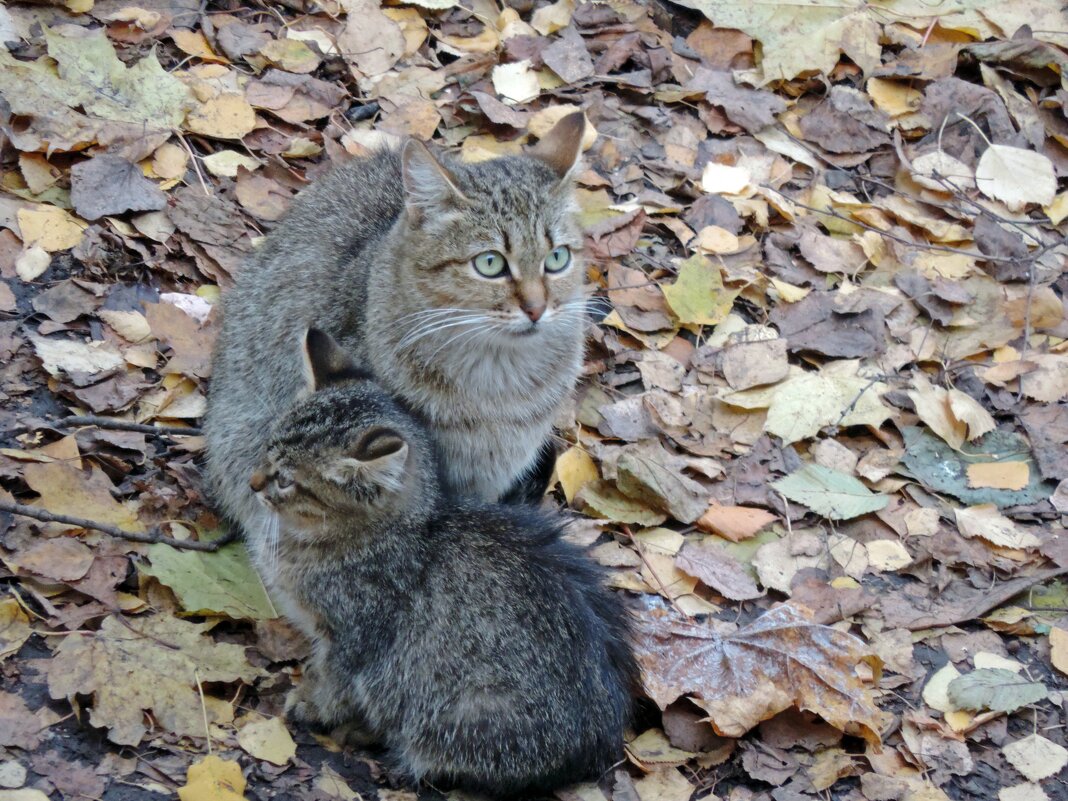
x=151, y=537
x=126, y=425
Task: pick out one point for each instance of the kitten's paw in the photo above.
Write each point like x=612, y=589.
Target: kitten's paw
x=353, y=735
x=300, y=708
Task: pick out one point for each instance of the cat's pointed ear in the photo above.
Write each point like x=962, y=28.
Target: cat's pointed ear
x=562, y=146
x=324, y=360
x=428, y=183
x=379, y=458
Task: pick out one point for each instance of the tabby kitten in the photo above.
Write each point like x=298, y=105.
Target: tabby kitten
x=459, y=285
x=481, y=649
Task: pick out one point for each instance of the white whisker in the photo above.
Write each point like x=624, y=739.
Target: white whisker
x=424, y=332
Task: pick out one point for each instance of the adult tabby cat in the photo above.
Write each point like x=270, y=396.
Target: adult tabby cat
x=460, y=285
x=481, y=649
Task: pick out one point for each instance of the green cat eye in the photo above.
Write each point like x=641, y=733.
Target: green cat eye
x=558, y=259
x=490, y=264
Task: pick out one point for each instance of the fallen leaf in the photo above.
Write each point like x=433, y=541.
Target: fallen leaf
x=219, y=583
x=59, y=558
x=213, y=779
x=723, y=179
x=65, y=489
x=995, y=689
x=1036, y=757
x=267, y=739
x=73, y=356
x=1023, y=792
x=1058, y=643
x=108, y=184
x=698, y=297
x=50, y=228
x=575, y=469
x=717, y=570
x=226, y=116
x=735, y=523
x=828, y=493
x=999, y=475
x=602, y=499
x=146, y=668
x=14, y=627
x=1016, y=176
x=516, y=82
x=986, y=522
x=779, y=660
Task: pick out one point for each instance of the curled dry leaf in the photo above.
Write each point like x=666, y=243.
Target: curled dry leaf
x=778, y=661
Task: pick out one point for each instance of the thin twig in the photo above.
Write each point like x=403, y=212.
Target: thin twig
x=126, y=425
x=152, y=537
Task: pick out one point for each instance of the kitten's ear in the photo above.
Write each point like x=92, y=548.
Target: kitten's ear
x=562, y=146
x=427, y=182
x=324, y=360
x=378, y=458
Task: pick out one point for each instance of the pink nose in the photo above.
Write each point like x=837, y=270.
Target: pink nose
x=534, y=312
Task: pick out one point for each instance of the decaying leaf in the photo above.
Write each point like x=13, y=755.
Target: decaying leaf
x=147, y=667
x=780, y=660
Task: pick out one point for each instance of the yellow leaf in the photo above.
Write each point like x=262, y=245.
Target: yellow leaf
x=788, y=292
x=226, y=162
x=213, y=779
x=194, y=43
x=698, y=296
x=575, y=469
x=267, y=739
x=894, y=97
x=999, y=475
x=1058, y=646
x=169, y=161
x=549, y=19
x=14, y=627
x=67, y=490
x=50, y=227
x=228, y=116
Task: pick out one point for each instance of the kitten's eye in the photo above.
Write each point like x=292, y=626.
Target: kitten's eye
x=558, y=259
x=283, y=480
x=490, y=264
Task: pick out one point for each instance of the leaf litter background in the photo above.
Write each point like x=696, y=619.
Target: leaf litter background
x=822, y=439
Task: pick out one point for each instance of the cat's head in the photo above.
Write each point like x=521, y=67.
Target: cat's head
x=345, y=450
x=495, y=242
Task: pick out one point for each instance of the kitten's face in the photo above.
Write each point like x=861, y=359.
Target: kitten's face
x=334, y=458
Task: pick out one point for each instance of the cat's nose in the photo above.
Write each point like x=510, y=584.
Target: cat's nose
x=257, y=481
x=533, y=310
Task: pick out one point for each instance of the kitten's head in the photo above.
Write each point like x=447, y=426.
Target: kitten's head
x=345, y=450
x=495, y=242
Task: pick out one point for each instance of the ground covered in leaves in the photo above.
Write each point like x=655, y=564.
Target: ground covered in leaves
x=822, y=438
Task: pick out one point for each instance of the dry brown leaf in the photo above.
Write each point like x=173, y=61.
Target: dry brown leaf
x=778, y=661
x=715, y=568
x=147, y=667
x=735, y=523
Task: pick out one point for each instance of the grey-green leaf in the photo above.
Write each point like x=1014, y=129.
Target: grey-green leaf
x=996, y=689
x=829, y=493
x=220, y=583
